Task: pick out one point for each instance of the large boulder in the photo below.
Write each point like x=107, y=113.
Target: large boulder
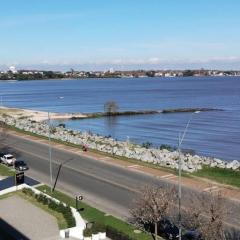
x=233, y=165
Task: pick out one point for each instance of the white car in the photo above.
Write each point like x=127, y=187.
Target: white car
x=8, y=159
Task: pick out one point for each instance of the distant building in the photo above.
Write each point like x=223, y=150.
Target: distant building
x=158, y=74
x=13, y=69
x=167, y=74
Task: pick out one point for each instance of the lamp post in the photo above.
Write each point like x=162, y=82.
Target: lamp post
x=50, y=151
x=180, y=140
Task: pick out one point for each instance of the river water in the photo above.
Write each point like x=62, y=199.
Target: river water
x=214, y=133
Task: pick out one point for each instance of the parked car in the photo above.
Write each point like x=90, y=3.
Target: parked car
x=168, y=229
x=21, y=166
x=191, y=235
x=1, y=155
x=8, y=159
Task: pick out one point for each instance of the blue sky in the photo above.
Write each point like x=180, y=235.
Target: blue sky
x=124, y=34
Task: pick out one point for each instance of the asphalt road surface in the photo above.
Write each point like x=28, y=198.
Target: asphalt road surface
x=108, y=187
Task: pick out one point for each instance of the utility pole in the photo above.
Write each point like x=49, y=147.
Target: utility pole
x=180, y=140
x=50, y=151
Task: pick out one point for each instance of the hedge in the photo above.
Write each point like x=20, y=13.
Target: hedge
x=58, y=207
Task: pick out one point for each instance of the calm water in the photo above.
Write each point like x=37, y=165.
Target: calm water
x=210, y=133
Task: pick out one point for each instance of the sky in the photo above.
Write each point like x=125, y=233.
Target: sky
x=123, y=34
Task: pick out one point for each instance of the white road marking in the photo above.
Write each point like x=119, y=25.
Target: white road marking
x=133, y=166
x=171, y=177
x=167, y=176
x=211, y=189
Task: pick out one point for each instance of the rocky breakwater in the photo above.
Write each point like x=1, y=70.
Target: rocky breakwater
x=190, y=163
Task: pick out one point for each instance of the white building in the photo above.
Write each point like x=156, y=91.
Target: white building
x=12, y=69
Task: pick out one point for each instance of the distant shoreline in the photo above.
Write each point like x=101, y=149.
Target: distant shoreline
x=91, y=78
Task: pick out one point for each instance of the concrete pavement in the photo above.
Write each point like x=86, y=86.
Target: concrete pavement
x=17, y=212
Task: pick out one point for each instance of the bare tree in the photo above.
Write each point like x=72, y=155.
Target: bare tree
x=206, y=214
x=152, y=206
x=111, y=107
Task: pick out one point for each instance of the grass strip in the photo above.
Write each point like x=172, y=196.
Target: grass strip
x=92, y=214
x=6, y=171
x=221, y=175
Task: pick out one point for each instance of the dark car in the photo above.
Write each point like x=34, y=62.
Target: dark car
x=168, y=229
x=1, y=155
x=21, y=166
x=191, y=235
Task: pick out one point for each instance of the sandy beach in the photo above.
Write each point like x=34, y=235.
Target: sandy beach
x=38, y=116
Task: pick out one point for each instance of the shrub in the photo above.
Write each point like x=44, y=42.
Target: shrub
x=53, y=205
x=87, y=232
x=166, y=146
x=61, y=207
x=67, y=213
x=58, y=207
x=114, y=234
x=62, y=125
x=98, y=227
x=147, y=145
x=45, y=200
x=28, y=191
x=40, y=198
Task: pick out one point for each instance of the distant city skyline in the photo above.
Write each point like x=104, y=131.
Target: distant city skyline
x=124, y=35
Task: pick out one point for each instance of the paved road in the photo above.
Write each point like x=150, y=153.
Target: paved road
x=109, y=187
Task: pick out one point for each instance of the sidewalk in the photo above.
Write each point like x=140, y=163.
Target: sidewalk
x=200, y=184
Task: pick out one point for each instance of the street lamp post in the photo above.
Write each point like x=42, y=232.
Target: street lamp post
x=180, y=140
x=50, y=151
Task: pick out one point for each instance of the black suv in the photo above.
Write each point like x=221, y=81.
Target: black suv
x=21, y=166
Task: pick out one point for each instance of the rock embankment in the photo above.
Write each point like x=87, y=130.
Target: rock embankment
x=190, y=163
x=144, y=112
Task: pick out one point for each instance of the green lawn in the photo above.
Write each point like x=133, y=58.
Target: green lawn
x=225, y=176
x=6, y=171
x=92, y=214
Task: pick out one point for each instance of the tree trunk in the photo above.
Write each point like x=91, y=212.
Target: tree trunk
x=156, y=230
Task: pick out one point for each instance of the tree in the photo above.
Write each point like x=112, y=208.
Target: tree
x=150, y=73
x=206, y=214
x=110, y=107
x=188, y=73
x=152, y=206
